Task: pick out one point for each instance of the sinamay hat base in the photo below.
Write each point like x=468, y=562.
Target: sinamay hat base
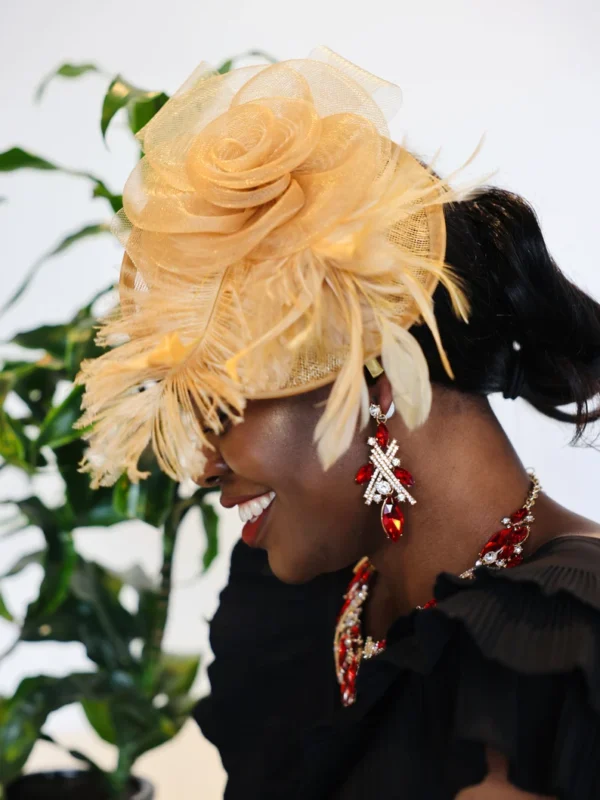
x=276, y=241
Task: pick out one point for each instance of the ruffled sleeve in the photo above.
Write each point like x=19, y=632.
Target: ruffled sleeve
x=523, y=646
x=272, y=678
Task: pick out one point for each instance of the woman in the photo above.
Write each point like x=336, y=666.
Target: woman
x=282, y=256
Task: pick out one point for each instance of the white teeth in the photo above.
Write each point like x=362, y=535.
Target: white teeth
x=252, y=509
x=256, y=507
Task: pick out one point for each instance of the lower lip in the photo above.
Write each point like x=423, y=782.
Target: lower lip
x=252, y=530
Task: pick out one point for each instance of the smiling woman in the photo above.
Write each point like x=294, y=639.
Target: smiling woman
x=320, y=320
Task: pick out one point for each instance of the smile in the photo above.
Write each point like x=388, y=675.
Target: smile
x=251, y=510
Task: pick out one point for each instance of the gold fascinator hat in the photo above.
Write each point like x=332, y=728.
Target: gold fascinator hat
x=276, y=240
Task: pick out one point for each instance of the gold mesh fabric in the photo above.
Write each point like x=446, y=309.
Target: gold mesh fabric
x=276, y=239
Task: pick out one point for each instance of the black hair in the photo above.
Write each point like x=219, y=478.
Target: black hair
x=517, y=294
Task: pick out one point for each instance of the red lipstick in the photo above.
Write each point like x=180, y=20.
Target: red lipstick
x=252, y=530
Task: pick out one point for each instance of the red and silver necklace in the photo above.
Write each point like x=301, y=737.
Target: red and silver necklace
x=503, y=550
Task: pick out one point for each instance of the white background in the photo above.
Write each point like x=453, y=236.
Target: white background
x=524, y=72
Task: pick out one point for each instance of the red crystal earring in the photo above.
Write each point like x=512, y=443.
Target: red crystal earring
x=384, y=477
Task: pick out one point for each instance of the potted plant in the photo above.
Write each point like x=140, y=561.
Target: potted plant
x=138, y=695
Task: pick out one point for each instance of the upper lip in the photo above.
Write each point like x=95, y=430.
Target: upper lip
x=230, y=502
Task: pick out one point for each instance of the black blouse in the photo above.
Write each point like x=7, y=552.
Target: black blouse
x=510, y=660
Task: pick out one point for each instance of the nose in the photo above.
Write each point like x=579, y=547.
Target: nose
x=215, y=470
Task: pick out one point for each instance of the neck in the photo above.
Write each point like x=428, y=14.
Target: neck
x=475, y=479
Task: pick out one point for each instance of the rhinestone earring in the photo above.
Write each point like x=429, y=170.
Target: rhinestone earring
x=384, y=477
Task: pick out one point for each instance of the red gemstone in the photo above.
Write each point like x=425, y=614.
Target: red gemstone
x=514, y=560
x=430, y=604
x=506, y=552
x=351, y=675
x=343, y=609
x=516, y=536
x=362, y=575
x=392, y=518
x=404, y=476
x=365, y=473
x=519, y=515
x=355, y=631
x=496, y=541
x=382, y=436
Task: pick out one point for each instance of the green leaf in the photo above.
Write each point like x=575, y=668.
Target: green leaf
x=65, y=71
x=76, y=236
x=178, y=674
x=34, y=382
x=150, y=500
x=83, y=233
x=23, y=715
x=13, y=443
x=57, y=429
x=210, y=519
x=4, y=612
x=59, y=565
x=225, y=66
x=90, y=507
x=115, y=200
x=16, y=158
x=100, y=718
x=85, y=313
x=157, y=493
x=35, y=512
x=59, y=560
x=90, y=614
x=80, y=344
x=141, y=105
x=50, y=338
x=141, y=111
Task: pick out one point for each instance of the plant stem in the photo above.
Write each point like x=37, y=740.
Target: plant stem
x=153, y=646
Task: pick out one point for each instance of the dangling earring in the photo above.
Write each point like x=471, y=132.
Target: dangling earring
x=384, y=476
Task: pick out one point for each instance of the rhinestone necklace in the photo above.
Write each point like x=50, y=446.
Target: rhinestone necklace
x=503, y=550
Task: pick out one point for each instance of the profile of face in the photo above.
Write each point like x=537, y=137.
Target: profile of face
x=318, y=521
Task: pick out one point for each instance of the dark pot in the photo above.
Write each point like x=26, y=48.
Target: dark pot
x=71, y=785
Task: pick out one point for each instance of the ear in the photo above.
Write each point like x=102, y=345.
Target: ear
x=381, y=393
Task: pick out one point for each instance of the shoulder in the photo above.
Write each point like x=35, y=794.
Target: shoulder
x=542, y=615
x=525, y=643
x=562, y=569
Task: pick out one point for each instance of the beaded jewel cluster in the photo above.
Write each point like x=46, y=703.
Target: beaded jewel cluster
x=503, y=550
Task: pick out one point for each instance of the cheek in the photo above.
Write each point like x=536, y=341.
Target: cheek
x=320, y=522
x=273, y=446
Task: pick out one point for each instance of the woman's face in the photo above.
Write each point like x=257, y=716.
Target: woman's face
x=318, y=521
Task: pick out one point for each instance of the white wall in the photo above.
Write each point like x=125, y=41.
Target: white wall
x=526, y=72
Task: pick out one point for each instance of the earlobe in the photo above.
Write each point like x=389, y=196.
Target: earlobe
x=384, y=397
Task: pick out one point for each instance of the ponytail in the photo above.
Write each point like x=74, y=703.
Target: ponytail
x=532, y=333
